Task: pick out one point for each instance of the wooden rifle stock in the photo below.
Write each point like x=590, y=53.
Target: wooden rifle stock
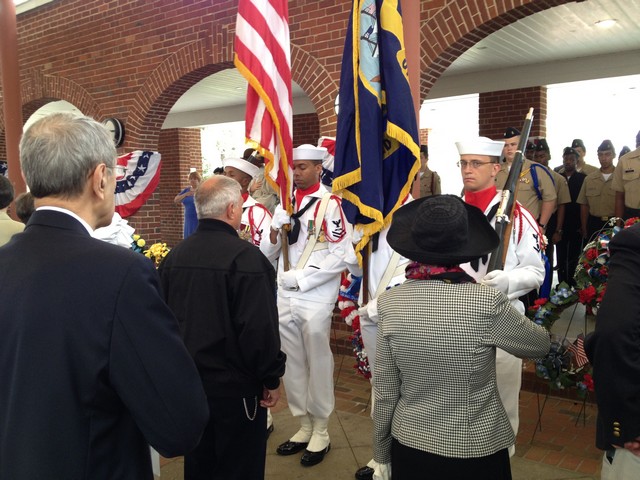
x=504, y=215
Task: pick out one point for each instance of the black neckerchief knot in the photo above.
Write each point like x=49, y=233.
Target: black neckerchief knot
x=295, y=229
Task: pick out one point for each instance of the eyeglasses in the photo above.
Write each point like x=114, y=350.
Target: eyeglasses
x=119, y=171
x=475, y=164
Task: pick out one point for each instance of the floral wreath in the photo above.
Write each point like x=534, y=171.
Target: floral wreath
x=348, y=305
x=566, y=364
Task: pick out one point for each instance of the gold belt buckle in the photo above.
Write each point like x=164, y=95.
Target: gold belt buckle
x=604, y=219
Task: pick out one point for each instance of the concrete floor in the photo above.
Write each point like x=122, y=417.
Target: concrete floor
x=350, y=449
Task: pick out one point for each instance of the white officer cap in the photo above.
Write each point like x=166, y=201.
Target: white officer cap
x=480, y=146
x=309, y=152
x=242, y=165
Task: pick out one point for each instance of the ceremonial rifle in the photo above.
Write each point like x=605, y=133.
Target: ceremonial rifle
x=504, y=215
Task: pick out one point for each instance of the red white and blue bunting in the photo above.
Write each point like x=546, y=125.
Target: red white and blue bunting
x=139, y=182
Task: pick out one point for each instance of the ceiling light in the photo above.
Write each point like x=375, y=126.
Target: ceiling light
x=608, y=23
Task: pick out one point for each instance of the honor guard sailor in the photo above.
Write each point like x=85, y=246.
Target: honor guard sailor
x=318, y=242
x=523, y=267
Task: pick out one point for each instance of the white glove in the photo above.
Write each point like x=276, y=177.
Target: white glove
x=363, y=313
x=382, y=472
x=288, y=280
x=356, y=236
x=497, y=279
x=280, y=218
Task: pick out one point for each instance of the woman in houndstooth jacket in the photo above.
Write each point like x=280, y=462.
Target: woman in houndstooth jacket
x=437, y=407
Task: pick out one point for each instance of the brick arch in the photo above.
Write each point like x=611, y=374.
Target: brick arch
x=175, y=75
x=438, y=51
x=38, y=90
x=164, y=86
x=318, y=84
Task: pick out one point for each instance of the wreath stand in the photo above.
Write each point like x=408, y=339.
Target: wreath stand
x=583, y=408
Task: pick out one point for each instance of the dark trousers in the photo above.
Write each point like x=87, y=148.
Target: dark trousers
x=232, y=446
x=568, y=251
x=595, y=225
x=410, y=464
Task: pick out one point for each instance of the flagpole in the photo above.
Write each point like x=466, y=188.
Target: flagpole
x=12, y=104
x=411, y=27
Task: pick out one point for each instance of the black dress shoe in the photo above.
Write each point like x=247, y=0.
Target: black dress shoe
x=313, y=458
x=269, y=430
x=364, y=473
x=290, y=448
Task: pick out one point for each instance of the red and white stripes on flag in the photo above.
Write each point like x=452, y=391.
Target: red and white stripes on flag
x=577, y=350
x=263, y=57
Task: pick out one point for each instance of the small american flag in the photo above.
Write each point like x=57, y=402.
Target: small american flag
x=577, y=351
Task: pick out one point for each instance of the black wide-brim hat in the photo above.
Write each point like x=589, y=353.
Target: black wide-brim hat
x=441, y=230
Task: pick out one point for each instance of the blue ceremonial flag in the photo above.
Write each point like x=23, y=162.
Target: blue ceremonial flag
x=377, y=152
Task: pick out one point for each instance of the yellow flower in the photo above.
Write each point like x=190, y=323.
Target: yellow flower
x=140, y=242
x=136, y=237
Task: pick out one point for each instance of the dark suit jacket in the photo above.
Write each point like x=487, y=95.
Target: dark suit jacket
x=93, y=368
x=614, y=347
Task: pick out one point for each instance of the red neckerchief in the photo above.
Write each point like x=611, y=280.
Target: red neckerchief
x=300, y=193
x=480, y=199
x=245, y=196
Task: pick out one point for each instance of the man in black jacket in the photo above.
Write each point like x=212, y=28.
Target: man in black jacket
x=613, y=349
x=570, y=245
x=223, y=292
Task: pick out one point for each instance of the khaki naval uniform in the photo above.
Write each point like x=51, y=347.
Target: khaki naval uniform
x=8, y=227
x=626, y=179
x=598, y=194
x=526, y=193
x=429, y=183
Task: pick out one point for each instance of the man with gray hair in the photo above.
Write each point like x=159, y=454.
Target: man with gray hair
x=223, y=291
x=93, y=368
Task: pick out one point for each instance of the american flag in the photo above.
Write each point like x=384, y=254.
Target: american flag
x=263, y=57
x=577, y=350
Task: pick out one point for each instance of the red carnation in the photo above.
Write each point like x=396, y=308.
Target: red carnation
x=631, y=221
x=540, y=301
x=586, y=295
x=591, y=254
x=588, y=381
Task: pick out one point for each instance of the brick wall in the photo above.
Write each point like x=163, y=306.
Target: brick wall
x=306, y=129
x=508, y=108
x=423, y=133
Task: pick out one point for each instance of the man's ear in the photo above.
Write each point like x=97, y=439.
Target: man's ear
x=231, y=213
x=99, y=180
